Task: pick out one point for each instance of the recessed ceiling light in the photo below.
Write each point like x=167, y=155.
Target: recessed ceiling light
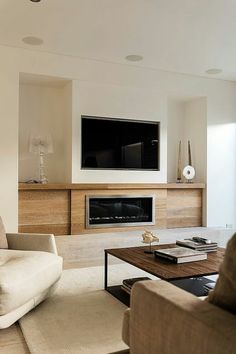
x=214, y=71
x=32, y=40
x=134, y=57
x=35, y=0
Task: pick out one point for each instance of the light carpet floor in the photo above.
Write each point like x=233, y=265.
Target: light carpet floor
x=80, y=317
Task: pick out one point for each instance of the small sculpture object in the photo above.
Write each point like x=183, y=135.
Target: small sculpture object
x=189, y=171
x=179, y=170
x=148, y=237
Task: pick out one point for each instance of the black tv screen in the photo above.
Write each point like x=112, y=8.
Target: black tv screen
x=110, y=143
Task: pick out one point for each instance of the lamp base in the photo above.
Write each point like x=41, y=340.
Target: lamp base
x=43, y=180
x=42, y=177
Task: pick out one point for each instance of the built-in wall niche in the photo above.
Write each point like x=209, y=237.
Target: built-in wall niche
x=187, y=120
x=45, y=111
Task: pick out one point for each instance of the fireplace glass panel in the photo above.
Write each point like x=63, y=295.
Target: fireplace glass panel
x=122, y=210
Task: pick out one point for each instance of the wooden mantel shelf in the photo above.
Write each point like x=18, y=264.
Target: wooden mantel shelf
x=108, y=186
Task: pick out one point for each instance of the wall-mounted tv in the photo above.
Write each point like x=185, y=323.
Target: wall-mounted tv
x=111, y=143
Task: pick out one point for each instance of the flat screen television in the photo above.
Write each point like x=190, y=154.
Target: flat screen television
x=111, y=143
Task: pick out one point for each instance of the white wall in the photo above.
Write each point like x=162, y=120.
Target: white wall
x=138, y=84
x=175, y=135
x=9, y=145
x=118, y=102
x=195, y=130
x=221, y=160
x=67, y=163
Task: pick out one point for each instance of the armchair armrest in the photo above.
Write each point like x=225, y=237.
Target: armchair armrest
x=166, y=319
x=32, y=242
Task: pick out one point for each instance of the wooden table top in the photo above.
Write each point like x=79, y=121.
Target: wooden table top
x=164, y=269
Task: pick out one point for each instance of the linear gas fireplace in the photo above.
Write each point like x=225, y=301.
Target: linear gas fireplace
x=119, y=210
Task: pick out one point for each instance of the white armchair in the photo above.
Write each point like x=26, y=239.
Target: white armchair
x=29, y=271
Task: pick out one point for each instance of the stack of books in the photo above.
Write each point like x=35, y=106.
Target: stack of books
x=180, y=254
x=198, y=244
x=128, y=283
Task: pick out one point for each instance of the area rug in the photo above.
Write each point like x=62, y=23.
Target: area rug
x=80, y=317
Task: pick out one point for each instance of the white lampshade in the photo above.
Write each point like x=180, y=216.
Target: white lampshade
x=40, y=144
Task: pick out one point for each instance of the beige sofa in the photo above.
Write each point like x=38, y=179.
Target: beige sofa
x=29, y=271
x=164, y=319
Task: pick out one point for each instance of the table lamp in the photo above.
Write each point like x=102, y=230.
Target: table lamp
x=41, y=145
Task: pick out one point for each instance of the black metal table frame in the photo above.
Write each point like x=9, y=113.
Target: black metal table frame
x=121, y=295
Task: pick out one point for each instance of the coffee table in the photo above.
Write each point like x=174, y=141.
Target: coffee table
x=184, y=275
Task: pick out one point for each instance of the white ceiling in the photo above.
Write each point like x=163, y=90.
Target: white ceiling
x=184, y=36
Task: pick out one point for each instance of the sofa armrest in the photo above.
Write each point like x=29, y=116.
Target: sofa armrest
x=166, y=319
x=32, y=242
x=125, y=327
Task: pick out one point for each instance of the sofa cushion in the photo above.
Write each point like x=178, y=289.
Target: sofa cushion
x=25, y=274
x=3, y=237
x=224, y=293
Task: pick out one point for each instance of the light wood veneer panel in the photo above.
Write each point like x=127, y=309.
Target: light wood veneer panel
x=62, y=211
x=184, y=208
x=45, y=211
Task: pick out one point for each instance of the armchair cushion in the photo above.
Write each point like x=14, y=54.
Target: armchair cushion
x=224, y=293
x=24, y=275
x=3, y=238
